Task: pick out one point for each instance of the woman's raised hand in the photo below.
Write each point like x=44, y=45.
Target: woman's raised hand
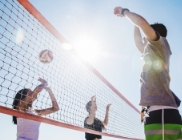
x=108, y=106
x=43, y=81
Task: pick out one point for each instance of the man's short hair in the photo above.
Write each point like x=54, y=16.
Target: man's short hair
x=160, y=28
x=88, y=105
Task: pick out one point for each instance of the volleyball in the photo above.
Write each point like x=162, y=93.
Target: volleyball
x=46, y=56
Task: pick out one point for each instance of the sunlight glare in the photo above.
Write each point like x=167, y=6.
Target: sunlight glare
x=67, y=46
x=19, y=36
x=87, y=49
x=105, y=54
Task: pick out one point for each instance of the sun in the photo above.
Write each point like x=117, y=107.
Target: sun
x=87, y=48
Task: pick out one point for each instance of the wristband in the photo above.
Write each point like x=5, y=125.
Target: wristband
x=144, y=109
x=43, y=85
x=122, y=12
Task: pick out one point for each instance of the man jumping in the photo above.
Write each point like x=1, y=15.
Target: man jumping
x=164, y=121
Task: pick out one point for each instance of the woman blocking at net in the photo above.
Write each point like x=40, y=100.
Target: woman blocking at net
x=29, y=129
x=91, y=122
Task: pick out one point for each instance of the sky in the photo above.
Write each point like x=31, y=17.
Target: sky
x=109, y=39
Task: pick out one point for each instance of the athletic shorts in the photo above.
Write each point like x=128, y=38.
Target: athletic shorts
x=163, y=124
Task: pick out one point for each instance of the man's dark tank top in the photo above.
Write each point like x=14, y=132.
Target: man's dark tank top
x=97, y=126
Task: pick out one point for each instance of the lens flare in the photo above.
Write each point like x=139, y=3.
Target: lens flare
x=157, y=65
x=147, y=64
x=19, y=36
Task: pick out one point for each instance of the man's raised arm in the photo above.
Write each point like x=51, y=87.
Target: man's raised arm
x=138, y=21
x=138, y=40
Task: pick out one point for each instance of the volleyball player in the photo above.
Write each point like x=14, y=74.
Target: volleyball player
x=29, y=129
x=164, y=121
x=93, y=123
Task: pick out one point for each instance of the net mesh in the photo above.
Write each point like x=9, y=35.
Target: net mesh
x=22, y=38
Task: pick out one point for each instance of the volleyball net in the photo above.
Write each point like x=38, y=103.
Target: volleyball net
x=22, y=37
